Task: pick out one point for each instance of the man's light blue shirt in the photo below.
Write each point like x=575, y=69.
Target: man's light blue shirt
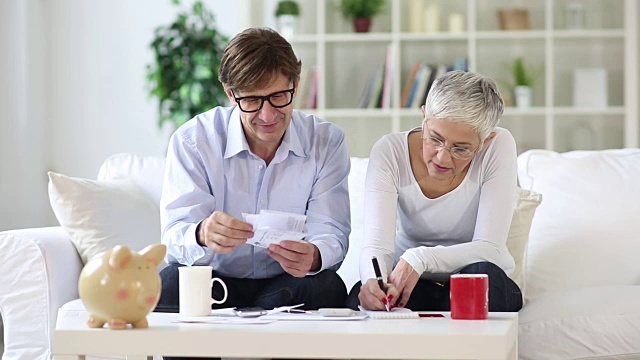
x=210, y=167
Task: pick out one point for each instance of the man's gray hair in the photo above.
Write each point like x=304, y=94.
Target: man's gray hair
x=467, y=98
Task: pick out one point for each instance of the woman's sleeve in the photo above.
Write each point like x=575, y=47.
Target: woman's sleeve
x=495, y=210
x=380, y=208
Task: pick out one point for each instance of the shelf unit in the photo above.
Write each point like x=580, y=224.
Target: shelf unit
x=345, y=61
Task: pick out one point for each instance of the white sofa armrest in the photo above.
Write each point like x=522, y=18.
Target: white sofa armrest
x=39, y=271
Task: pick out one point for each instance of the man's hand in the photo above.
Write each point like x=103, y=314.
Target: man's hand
x=373, y=298
x=296, y=257
x=222, y=232
x=404, y=278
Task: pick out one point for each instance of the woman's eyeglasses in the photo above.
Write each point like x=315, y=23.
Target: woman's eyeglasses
x=457, y=152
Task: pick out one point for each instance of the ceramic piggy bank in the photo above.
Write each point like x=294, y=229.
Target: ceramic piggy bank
x=120, y=287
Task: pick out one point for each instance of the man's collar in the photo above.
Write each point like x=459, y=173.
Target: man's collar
x=236, y=140
x=291, y=139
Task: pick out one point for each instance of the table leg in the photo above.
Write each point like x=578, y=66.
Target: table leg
x=513, y=354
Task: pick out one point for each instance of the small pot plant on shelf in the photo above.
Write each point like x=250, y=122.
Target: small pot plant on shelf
x=287, y=15
x=361, y=12
x=523, y=78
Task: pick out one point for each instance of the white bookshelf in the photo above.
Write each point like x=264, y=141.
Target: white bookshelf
x=346, y=59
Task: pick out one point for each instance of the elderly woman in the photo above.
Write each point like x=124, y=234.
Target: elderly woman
x=439, y=200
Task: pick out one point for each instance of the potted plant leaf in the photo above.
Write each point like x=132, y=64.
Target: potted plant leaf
x=361, y=12
x=523, y=82
x=287, y=14
x=184, y=73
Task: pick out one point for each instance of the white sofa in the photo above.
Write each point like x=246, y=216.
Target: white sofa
x=581, y=273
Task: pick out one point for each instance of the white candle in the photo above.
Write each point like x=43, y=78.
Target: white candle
x=431, y=18
x=456, y=22
x=416, y=8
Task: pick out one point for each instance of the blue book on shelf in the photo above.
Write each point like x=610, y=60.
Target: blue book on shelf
x=416, y=83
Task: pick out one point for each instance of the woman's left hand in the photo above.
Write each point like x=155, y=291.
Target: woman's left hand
x=404, y=278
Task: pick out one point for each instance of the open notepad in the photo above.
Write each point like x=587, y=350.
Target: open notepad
x=395, y=313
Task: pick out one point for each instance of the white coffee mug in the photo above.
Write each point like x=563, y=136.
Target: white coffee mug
x=195, y=290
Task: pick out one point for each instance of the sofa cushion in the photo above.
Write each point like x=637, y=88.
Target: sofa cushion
x=145, y=171
x=99, y=215
x=349, y=269
x=526, y=204
x=586, y=231
x=588, y=323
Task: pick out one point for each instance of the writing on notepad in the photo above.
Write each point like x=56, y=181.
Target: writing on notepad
x=271, y=227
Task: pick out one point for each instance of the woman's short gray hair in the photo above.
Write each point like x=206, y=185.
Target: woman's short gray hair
x=467, y=98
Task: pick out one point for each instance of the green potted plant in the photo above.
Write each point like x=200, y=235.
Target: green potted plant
x=184, y=73
x=361, y=12
x=523, y=78
x=287, y=14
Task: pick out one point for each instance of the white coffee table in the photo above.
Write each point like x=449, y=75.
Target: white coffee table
x=425, y=338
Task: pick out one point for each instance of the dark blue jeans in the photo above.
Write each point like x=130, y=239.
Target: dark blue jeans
x=325, y=289
x=504, y=294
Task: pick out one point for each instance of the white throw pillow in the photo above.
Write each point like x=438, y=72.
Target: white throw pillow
x=518, y=237
x=586, y=232
x=145, y=171
x=99, y=215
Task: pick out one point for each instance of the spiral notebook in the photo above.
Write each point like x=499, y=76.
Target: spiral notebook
x=395, y=313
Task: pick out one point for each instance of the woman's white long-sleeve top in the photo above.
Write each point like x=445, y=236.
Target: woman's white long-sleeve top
x=438, y=237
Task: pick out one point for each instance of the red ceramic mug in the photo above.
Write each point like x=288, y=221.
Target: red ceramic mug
x=469, y=296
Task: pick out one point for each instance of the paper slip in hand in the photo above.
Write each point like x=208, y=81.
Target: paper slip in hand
x=271, y=227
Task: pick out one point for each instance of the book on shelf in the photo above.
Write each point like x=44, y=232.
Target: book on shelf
x=373, y=90
x=408, y=85
x=385, y=101
x=461, y=63
x=376, y=93
x=367, y=91
x=414, y=85
x=423, y=82
x=436, y=72
x=312, y=98
x=306, y=95
x=420, y=79
x=301, y=92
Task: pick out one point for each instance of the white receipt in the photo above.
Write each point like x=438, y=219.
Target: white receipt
x=271, y=227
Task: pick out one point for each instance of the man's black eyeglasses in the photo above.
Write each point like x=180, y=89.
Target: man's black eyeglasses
x=250, y=104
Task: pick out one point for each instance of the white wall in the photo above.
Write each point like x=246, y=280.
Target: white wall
x=73, y=91
x=23, y=117
x=99, y=102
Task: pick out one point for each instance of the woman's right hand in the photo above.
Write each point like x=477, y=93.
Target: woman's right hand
x=373, y=298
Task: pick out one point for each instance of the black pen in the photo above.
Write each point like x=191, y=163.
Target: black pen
x=376, y=268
